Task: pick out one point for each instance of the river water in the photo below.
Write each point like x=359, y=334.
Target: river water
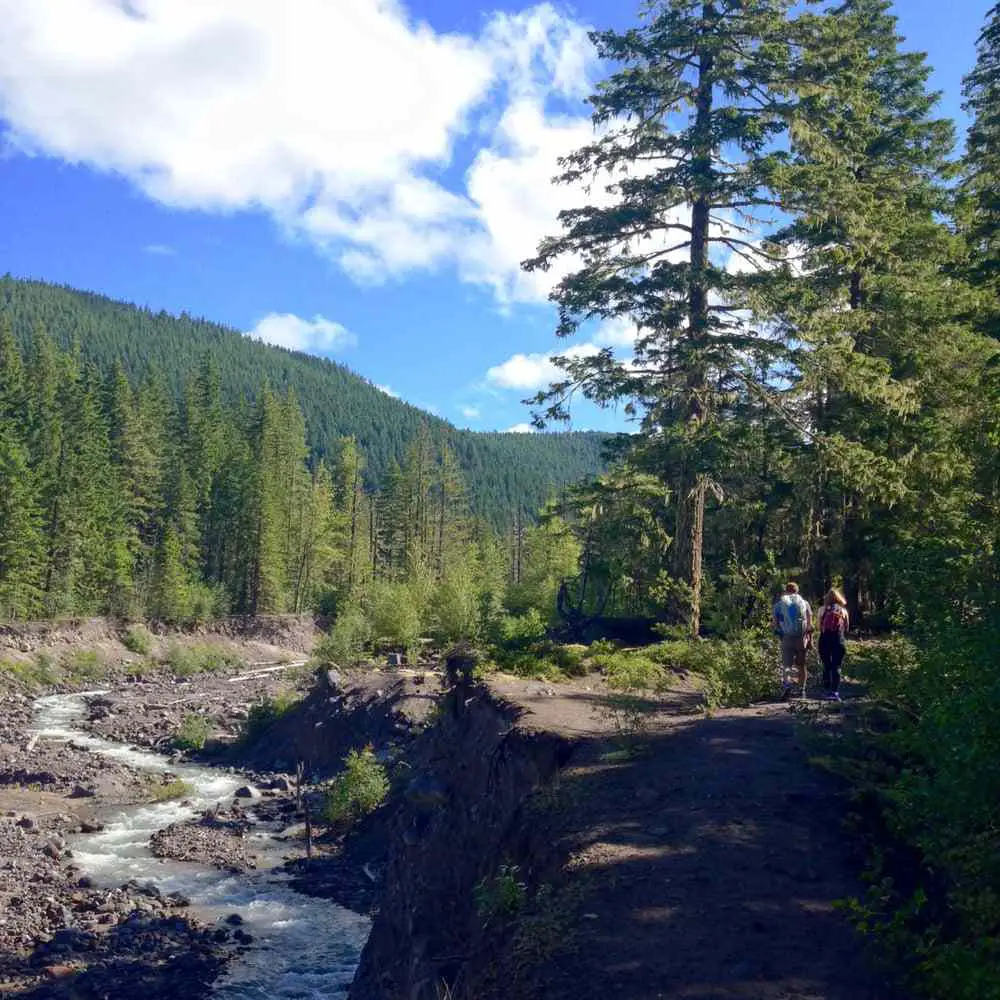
x=303, y=948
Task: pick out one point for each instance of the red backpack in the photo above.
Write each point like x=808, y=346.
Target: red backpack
x=833, y=620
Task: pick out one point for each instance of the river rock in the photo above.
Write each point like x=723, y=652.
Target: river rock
x=247, y=792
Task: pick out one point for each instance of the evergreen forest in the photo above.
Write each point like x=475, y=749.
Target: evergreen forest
x=505, y=471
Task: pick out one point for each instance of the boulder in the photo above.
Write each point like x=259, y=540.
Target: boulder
x=247, y=792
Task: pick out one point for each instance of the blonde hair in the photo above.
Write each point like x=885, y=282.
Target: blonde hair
x=834, y=596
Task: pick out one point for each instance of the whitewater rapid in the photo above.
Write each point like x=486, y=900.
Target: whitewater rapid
x=303, y=948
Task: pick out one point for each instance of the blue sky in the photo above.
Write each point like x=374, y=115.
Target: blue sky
x=357, y=178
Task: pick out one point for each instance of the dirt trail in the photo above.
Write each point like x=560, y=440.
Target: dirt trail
x=706, y=866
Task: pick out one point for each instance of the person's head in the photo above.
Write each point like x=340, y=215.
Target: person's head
x=834, y=596
x=791, y=587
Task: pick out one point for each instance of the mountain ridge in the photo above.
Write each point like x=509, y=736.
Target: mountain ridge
x=505, y=471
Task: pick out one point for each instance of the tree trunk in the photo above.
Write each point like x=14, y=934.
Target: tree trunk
x=692, y=484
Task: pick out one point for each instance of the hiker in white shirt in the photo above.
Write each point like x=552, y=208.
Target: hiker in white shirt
x=793, y=622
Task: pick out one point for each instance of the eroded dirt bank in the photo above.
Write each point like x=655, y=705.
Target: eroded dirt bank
x=540, y=854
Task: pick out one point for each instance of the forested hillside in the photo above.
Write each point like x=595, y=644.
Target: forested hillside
x=504, y=471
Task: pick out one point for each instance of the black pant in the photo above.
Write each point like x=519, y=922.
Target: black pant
x=832, y=650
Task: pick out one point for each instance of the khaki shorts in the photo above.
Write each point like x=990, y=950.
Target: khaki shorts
x=793, y=651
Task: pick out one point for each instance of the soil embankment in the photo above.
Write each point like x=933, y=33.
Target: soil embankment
x=698, y=858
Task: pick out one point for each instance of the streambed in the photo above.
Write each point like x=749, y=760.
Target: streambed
x=302, y=947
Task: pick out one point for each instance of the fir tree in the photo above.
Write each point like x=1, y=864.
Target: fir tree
x=703, y=94
x=981, y=182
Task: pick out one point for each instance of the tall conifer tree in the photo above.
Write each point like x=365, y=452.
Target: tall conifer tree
x=690, y=127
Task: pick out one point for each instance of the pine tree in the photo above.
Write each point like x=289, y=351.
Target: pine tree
x=21, y=548
x=704, y=98
x=866, y=294
x=981, y=167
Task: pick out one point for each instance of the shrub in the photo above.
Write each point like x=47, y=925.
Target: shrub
x=346, y=642
x=138, y=639
x=630, y=671
x=84, y=664
x=520, y=631
x=502, y=895
x=186, y=661
x=40, y=672
x=358, y=790
x=734, y=674
x=395, y=613
x=939, y=793
x=169, y=790
x=193, y=733
x=455, y=610
x=266, y=713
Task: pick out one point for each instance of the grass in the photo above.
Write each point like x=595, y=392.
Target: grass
x=187, y=661
x=84, y=665
x=170, y=790
x=194, y=732
x=266, y=713
x=138, y=639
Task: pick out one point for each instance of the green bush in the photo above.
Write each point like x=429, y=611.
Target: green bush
x=84, y=665
x=520, y=631
x=358, y=790
x=138, y=639
x=193, y=733
x=40, y=672
x=502, y=895
x=630, y=671
x=938, y=788
x=395, y=613
x=169, y=790
x=455, y=612
x=346, y=642
x=266, y=713
x=186, y=661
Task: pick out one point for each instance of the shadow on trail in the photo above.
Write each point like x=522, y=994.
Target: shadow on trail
x=707, y=866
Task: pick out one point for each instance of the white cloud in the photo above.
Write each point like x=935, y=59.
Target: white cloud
x=534, y=371
x=470, y=412
x=316, y=336
x=521, y=429
x=617, y=332
x=330, y=116
x=159, y=250
x=388, y=390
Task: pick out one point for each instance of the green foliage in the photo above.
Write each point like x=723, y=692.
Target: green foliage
x=345, y=643
x=396, y=612
x=265, y=713
x=188, y=660
x=520, y=631
x=932, y=776
x=500, y=895
x=138, y=639
x=84, y=665
x=194, y=732
x=630, y=670
x=35, y=674
x=335, y=401
x=358, y=790
x=168, y=791
x=735, y=673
